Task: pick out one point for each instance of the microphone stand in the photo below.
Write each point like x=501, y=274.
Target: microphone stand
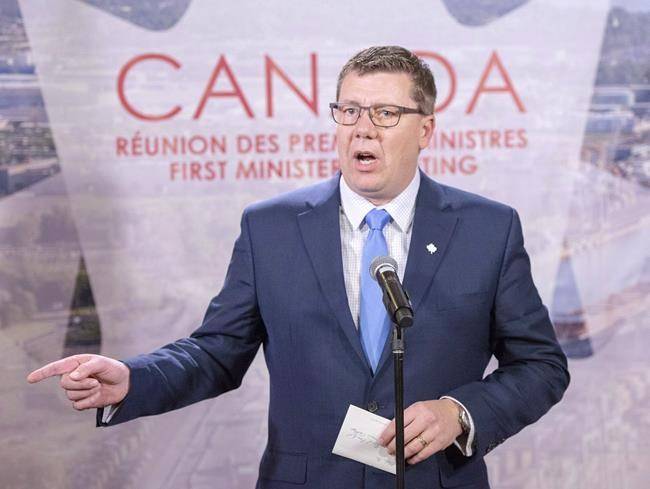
x=399, y=309
x=398, y=364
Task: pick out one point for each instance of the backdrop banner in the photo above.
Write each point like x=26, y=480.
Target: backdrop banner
x=168, y=118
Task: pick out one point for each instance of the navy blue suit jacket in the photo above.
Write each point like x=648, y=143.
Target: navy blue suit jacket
x=473, y=298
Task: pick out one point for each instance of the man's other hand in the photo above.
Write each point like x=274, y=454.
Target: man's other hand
x=429, y=426
x=89, y=381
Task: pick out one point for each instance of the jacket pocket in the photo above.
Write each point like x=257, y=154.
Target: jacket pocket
x=474, y=473
x=284, y=466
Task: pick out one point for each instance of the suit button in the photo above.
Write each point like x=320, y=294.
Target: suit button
x=373, y=406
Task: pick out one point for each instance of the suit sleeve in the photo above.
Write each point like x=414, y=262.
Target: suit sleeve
x=213, y=360
x=532, y=374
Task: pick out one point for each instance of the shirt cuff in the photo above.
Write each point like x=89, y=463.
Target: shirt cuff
x=463, y=443
x=109, y=412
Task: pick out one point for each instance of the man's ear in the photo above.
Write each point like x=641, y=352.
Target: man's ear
x=427, y=128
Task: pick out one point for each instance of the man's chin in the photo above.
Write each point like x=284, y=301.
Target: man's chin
x=376, y=194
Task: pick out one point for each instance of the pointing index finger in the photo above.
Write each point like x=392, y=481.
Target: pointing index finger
x=59, y=367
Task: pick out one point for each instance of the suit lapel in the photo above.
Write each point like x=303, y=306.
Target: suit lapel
x=320, y=230
x=433, y=227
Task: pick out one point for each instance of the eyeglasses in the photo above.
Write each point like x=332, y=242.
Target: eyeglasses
x=380, y=115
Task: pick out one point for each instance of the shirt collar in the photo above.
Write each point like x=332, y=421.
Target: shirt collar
x=401, y=208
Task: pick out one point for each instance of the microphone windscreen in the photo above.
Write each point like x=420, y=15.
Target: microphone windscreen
x=381, y=262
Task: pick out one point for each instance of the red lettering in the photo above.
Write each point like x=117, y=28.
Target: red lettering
x=121, y=146
x=173, y=171
x=495, y=139
x=467, y=164
x=323, y=140
x=236, y=91
x=294, y=140
x=523, y=140
x=270, y=67
x=508, y=87
x=274, y=146
x=312, y=143
x=121, y=79
x=195, y=170
x=260, y=143
x=494, y=79
x=244, y=144
x=209, y=170
x=309, y=142
x=246, y=171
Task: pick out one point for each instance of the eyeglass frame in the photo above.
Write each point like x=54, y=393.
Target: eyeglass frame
x=401, y=110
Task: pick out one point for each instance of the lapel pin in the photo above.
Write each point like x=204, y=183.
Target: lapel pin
x=431, y=248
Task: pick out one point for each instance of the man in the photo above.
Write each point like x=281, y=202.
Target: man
x=298, y=285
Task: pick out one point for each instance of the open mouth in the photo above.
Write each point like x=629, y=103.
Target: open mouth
x=365, y=157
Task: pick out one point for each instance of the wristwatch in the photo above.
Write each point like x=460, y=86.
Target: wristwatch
x=463, y=419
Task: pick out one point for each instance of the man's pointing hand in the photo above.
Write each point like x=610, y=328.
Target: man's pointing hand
x=89, y=381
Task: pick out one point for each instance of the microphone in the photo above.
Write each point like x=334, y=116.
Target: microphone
x=398, y=305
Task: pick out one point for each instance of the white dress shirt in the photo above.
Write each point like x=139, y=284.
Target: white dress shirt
x=354, y=232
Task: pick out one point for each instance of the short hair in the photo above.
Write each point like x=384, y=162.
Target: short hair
x=394, y=59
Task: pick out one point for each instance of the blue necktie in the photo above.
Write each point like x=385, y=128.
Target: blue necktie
x=373, y=319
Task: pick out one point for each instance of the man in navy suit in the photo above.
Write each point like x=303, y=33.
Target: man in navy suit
x=296, y=286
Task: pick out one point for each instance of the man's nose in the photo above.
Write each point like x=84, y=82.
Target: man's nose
x=364, y=127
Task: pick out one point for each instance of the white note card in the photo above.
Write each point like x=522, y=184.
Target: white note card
x=358, y=439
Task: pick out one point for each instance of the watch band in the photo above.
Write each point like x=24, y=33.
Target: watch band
x=463, y=419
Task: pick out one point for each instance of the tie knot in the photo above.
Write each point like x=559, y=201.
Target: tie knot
x=376, y=219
